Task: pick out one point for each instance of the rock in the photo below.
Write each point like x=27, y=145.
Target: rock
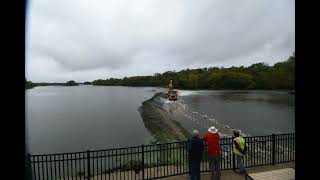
x=205, y=116
x=212, y=120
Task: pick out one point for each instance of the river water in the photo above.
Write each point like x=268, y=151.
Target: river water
x=67, y=119
x=254, y=113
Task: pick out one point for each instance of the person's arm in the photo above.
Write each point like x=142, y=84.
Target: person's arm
x=219, y=144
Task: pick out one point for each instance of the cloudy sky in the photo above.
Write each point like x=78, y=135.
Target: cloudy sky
x=86, y=40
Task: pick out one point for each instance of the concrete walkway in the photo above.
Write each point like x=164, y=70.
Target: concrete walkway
x=230, y=175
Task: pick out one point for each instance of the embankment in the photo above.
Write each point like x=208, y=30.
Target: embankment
x=159, y=122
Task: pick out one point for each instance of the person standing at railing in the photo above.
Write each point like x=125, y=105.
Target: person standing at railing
x=214, y=152
x=195, y=148
x=239, y=149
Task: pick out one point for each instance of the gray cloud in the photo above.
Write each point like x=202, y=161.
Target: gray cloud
x=87, y=40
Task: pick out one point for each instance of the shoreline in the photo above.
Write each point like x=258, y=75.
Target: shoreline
x=184, y=89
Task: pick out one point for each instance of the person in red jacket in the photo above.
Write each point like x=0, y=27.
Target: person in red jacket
x=214, y=151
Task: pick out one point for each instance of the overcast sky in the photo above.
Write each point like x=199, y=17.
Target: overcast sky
x=85, y=40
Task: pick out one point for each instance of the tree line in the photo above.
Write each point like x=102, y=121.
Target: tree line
x=257, y=76
x=30, y=84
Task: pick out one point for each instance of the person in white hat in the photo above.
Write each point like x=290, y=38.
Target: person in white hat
x=195, y=148
x=214, y=152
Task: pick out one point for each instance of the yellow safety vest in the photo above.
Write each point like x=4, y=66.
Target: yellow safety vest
x=241, y=143
x=170, y=85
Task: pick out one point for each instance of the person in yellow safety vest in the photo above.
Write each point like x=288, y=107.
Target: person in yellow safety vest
x=239, y=148
x=170, y=85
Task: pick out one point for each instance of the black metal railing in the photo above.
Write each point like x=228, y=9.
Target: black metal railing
x=154, y=161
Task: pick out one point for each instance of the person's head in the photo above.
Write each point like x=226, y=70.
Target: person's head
x=236, y=133
x=195, y=133
x=212, y=130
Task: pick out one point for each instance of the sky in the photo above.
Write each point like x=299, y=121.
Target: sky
x=85, y=40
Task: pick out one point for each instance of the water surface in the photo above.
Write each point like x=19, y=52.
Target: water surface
x=67, y=119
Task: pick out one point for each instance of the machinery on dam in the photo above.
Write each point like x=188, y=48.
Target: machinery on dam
x=172, y=94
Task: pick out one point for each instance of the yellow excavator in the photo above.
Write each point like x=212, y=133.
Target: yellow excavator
x=172, y=94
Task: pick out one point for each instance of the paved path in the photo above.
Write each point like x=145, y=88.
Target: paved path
x=230, y=175
x=279, y=174
x=225, y=175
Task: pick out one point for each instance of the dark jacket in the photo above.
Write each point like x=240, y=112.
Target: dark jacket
x=195, y=148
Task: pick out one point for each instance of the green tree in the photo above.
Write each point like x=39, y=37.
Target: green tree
x=29, y=84
x=72, y=83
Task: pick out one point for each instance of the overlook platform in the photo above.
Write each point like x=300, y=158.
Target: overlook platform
x=231, y=175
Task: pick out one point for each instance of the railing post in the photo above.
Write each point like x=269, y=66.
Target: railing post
x=273, y=149
x=28, y=173
x=233, y=156
x=142, y=164
x=233, y=162
x=88, y=163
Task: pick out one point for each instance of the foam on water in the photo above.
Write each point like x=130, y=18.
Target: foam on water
x=187, y=93
x=167, y=101
x=199, y=120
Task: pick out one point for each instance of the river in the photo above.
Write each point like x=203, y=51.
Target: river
x=254, y=113
x=67, y=119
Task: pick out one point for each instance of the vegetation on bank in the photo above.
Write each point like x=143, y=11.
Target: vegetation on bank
x=30, y=84
x=87, y=83
x=71, y=83
x=257, y=76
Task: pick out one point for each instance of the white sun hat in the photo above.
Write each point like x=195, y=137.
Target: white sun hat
x=213, y=129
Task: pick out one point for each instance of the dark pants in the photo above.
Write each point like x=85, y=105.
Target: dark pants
x=214, y=163
x=195, y=169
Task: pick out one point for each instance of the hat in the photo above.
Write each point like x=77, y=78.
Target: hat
x=212, y=129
